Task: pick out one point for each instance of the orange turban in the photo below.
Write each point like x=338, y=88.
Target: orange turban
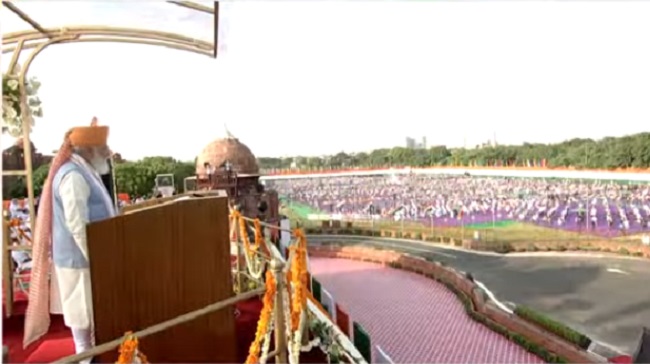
x=89, y=136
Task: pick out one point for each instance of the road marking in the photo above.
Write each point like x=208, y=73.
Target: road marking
x=492, y=297
x=451, y=256
x=614, y=270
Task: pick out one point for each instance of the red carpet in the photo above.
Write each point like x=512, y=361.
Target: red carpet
x=58, y=342
x=624, y=359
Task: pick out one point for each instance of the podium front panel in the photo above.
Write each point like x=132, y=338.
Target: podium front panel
x=157, y=263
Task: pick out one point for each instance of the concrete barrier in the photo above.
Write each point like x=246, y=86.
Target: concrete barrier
x=588, y=244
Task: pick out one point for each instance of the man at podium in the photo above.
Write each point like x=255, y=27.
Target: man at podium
x=73, y=196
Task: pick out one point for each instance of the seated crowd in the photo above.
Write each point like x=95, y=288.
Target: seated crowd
x=606, y=207
x=20, y=232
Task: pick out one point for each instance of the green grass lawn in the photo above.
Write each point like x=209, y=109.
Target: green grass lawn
x=501, y=232
x=489, y=225
x=299, y=211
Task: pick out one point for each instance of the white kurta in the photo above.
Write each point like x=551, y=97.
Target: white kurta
x=70, y=292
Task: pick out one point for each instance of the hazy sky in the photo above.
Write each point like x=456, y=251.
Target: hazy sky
x=321, y=77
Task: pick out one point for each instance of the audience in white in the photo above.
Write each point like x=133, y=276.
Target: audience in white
x=606, y=208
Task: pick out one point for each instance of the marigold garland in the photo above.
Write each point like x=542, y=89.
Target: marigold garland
x=259, y=239
x=264, y=321
x=22, y=235
x=298, y=279
x=129, y=350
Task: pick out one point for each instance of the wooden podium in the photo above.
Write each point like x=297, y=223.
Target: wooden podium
x=157, y=263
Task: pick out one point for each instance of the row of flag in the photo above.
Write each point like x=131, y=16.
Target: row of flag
x=528, y=163
x=353, y=330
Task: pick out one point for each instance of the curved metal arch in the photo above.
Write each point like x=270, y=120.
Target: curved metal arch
x=81, y=34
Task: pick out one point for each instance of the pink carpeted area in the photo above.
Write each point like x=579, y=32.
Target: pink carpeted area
x=413, y=318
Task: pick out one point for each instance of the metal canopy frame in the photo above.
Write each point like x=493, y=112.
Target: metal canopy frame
x=39, y=38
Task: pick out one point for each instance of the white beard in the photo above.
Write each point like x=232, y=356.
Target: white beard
x=100, y=165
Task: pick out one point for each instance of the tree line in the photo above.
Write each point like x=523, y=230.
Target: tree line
x=631, y=151
x=137, y=178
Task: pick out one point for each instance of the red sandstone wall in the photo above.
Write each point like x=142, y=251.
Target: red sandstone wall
x=418, y=265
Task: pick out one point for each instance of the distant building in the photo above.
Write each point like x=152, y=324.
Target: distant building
x=487, y=144
x=411, y=143
x=13, y=160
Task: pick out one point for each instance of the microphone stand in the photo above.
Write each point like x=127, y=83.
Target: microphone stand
x=111, y=161
x=109, y=182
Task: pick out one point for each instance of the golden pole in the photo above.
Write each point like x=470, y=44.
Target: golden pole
x=14, y=57
x=7, y=272
x=7, y=276
x=31, y=35
x=180, y=47
x=26, y=118
x=280, y=325
x=27, y=154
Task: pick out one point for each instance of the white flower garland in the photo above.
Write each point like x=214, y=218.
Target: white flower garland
x=293, y=355
x=137, y=357
x=12, y=115
x=294, y=344
x=254, y=265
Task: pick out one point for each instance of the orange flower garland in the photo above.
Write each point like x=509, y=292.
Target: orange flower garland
x=242, y=230
x=298, y=279
x=263, y=323
x=259, y=239
x=17, y=224
x=231, y=223
x=129, y=350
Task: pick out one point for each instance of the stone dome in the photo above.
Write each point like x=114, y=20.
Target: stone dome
x=229, y=149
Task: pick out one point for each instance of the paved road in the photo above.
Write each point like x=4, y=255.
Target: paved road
x=606, y=297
